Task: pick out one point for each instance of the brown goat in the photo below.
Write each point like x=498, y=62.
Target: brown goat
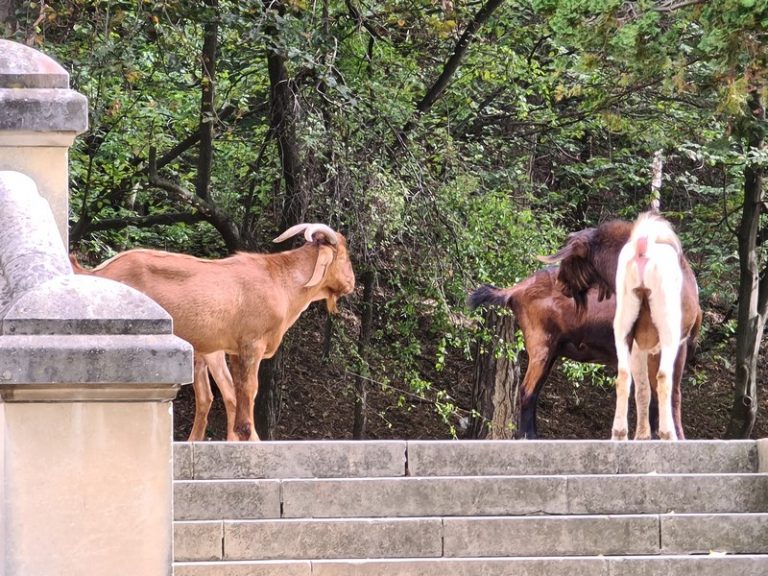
x=551, y=329
x=241, y=305
x=590, y=259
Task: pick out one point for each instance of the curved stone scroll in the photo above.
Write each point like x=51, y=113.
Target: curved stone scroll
x=31, y=250
x=87, y=337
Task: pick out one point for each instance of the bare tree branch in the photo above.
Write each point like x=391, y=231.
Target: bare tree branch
x=452, y=64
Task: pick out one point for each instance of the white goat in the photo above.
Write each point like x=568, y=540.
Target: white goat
x=656, y=311
x=241, y=305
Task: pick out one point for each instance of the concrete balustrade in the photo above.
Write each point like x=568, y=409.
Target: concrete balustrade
x=88, y=367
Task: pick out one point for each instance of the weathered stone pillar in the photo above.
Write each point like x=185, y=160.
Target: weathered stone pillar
x=39, y=119
x=88, y=368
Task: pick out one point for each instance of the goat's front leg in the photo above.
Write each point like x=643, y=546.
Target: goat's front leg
x=639, y=363
x=217, y=364
x=246, y=388
x=203, y=399
x=539, y=367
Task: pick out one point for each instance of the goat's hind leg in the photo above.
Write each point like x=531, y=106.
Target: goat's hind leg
x=627, y=309
x=667, y=317
x=246, y=377
x=203, y=399
x=217, y=364
x=639, y=363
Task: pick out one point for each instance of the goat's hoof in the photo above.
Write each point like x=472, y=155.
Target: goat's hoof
x=619, y=435
x=642, y=435
x=667, y=436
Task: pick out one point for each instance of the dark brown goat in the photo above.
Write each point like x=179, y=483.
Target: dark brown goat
x=551, y=329
x=590, y=259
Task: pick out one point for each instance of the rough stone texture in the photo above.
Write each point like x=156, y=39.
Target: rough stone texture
x=226, y=500
x=605, y=566
x=509, y=458
x=222, y=460
x=565, y=535
x=464, y=567
x=85, y=305
x=266, y=568
x=35, y=95
x=689, y=457
x=87, y=360
x=312, y=539
x=688, y=566
x=492, y=496
x=609, y=523
x=702, y=534
x=541, y=457
x=182, y=461
x=43, y=110
x=198, y=541
x=31, y=252
x=658, y=494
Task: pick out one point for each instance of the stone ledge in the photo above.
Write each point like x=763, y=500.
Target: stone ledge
x=264, y=568
x=232, y=500
x=494, y=496
x=333, y=538
x=541, y=457
x=43, y=110
x=59, y=361
x=299, y=459
x=588, y=566
x=752, y=565
x=78, y=304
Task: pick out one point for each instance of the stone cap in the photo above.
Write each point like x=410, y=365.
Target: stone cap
x=84, y=305
x=88, y=339
x=35, y=94
x=25, y=67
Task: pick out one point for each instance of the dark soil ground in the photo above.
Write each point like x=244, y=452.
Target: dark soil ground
x=318, y=400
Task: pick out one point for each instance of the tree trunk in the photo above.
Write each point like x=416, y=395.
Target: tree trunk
x=269, y=399
x=366, y=329
x=751, y=312
x=283, y=126
x=207, y=106
x=495, y=392
x=8, y=12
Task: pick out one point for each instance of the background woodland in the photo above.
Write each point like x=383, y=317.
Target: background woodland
x=451, y=141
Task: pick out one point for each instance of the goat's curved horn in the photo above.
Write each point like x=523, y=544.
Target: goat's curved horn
x=309, y=231
x=327, y=231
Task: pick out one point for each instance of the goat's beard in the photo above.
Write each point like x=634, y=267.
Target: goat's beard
x=330, y=303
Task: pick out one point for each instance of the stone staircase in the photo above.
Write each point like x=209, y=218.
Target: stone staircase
x=462, y=508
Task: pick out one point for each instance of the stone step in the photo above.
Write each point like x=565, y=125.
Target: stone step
x=350, y=459
x=709, y=565
x=471, y=537
x=470, y=496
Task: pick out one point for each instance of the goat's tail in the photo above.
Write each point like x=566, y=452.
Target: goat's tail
x=488, y=295
x=651, y=228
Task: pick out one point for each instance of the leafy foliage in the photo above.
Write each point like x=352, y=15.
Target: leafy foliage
x=548, y=123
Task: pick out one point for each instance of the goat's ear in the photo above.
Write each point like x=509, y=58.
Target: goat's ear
x=325, y=256
x=576, y=246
